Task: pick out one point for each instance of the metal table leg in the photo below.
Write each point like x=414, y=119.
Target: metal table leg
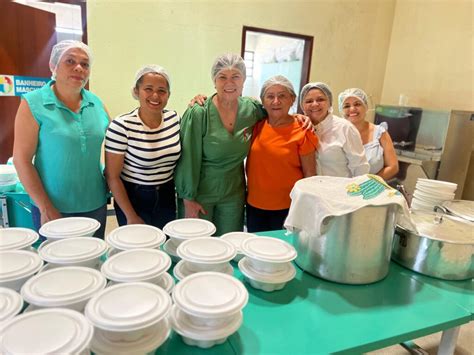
x=448, y=341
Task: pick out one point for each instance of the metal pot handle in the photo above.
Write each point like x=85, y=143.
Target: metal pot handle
x=440, y=212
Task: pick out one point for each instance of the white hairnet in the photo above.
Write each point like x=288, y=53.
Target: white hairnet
x=318, y=85
x=352, y=92
x=228, y=61
x=146, y=69
x=277, y=80
x=61, y=48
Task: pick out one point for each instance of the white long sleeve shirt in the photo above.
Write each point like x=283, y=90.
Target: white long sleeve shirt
x=340, y=151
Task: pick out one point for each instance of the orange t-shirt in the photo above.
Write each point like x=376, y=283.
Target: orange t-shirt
x=273, y=164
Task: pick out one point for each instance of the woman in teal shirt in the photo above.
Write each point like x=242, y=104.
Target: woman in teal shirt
x=61, y=126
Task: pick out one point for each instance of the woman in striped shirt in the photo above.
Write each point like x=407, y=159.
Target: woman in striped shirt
x=141, y=151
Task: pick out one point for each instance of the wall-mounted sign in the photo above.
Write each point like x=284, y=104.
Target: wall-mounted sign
x=14, y=85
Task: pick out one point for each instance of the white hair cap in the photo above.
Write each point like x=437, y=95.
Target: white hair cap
x=61, y=48
x=277, y=80
x=320, y=86
x=228, y=61
x=352, y=92
x=146, y=69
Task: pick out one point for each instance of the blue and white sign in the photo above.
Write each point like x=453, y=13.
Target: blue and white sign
x=14, y=85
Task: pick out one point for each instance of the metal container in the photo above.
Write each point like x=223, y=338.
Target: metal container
x=353, y=249
x=443, y=247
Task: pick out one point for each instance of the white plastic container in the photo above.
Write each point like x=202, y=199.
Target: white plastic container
x=7, y=173
x=166, y=282
x=236, y=239
x=183, y=229
x=17, y=238
x=182, y=270
x=11, y=304
x=170, y=249
x=69, y=227
x=66, y=287
x=266, y=281
x=206, y=254
x=266, y=254
x=136, y=265
x=129, y=311
x=80, y=251
x=135, y=236
x=67, y=332
x=17, y=266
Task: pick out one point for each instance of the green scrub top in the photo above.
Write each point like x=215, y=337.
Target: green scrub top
x=210, y=169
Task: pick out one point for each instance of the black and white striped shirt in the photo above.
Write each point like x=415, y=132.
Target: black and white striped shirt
x=150, y=154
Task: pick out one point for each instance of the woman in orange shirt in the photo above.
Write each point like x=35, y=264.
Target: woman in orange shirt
x=282, y=152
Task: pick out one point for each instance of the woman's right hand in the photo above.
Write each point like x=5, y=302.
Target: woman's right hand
x=49, y=214
x=192, y=209
x=199, y=99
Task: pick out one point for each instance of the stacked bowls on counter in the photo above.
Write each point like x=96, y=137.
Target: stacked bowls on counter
x=430, y=193
x=11, y=304
x=184, y=229
x=17, y=266
x=129, y=318
x=8, y=178
x=69, y=227
x=204, y=254
x=208, y=308
x=236, y=239
x=135, y=236
x=267, y=263
x=139, y=265
x=17, y=239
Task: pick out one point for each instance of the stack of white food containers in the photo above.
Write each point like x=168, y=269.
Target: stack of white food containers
x=66, y=287
x=69, y=227
x=430, y=193
x=208, y=308
x=17, y=238
x=139, y=265
x=129, y=318
x=267, y=263
x=47, y=331
x=8, y=178
x=17, y=266
x=135, y=236
x=81, y=251
x=236, y=239
x=204, y=254
x=183, y=229
x=11, y=304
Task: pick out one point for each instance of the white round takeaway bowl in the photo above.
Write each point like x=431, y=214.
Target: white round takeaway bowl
x=80, y=251
x=17, y=238
x=101, y=345
x=67, y=332
x=183, y=229
x=137, y=265
x=136, y=236
x=17, y=266
x=236, y=239
x=268, y=254
x=7, y=173
x=69, y=227
x=200, y=335
x=166, y=282
x=11, y=304
x=206, y=253
x=67, y=287
x=128, y=311
x=182, y=270
x=266, y=281
x=170, y=249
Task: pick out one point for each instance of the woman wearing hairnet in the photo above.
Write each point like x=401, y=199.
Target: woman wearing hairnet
x=62, y=126
x=141, y=151
x=215, y=140
x=282, y=152
x=379, y=150
x=340, y=150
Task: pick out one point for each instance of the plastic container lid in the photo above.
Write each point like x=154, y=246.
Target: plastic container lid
x=187, y=228
x=181, y=270
x=268, y=249
x=128, y=306
x=67, y=332
x=72, y=250
x=101, y=344
x=15, y=264
x=206, y=250
x=136, y=265
x=69, y=227
x=11, y=303
x=275, y=277
x=210, y=294
x=63, y=286
x=17, y=238
x=236, y=238
x=134, y=236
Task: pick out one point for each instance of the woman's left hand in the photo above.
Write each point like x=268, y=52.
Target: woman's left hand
x=305, y=121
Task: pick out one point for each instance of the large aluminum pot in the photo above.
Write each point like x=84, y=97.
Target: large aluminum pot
x=442, y=248
x=353, y=249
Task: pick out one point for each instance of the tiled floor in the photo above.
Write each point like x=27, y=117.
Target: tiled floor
x=465, y=344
